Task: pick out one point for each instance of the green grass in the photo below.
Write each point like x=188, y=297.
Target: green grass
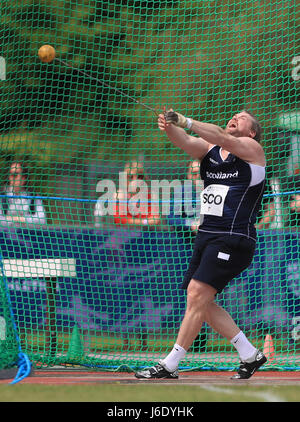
x=147, y=393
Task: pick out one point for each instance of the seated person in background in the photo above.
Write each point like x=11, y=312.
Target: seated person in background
x=292, y=203
x=15, y=208
x=294, y=217
x=266, y=214
x=188, y=221
x=99, y=214
x=146, y=218
x=149, y=216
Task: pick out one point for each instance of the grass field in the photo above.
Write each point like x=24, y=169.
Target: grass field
x=148, y=393
x=117, y=391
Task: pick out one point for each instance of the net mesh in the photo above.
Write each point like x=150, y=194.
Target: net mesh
x=91, y=286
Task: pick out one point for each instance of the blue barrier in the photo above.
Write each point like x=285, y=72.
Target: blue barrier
x=128, y=281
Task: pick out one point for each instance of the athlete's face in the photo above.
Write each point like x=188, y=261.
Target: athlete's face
x=240, y=125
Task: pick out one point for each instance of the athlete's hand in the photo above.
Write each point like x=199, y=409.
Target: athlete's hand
x=176, y=119
x=161, y=121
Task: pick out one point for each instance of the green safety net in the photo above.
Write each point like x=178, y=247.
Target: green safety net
x=89, y=286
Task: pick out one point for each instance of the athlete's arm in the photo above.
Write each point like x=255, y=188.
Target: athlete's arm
x=246, y=148
x=195, y=147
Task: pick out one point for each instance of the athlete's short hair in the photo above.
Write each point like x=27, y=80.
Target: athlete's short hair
x=255, y=126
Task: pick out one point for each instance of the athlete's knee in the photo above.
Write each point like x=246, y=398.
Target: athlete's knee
x=199, y=295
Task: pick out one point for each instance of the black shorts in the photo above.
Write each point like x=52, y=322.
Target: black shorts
x=218, y=258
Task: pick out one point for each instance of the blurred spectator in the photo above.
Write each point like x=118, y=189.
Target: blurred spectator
x=18, y=204
x=266, y=214
x=183, y=221
x=149, y=215
x=295, y=210
x=294, y=205
x=135, y=171
x=194, y=175
x=99, y=214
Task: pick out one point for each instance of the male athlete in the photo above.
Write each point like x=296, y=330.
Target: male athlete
x=233, y=171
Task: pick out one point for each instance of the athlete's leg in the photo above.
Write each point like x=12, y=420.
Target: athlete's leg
x=220, y=320
x=199, y=296
x=200, y=308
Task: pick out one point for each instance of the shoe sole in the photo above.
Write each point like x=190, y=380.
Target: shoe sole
x=156, y=378
x=264, y=360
